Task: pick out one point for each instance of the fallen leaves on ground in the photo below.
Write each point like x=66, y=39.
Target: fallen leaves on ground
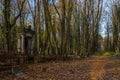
x=93, y=68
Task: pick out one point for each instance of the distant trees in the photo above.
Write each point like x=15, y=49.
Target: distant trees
x=116, y=25
x=111, y=40
x=87, y=18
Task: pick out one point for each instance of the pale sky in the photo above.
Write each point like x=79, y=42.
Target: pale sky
x=107, y=4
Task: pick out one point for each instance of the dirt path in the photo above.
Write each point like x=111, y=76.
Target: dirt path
x=97, y=68
x=93, y=68
x=103, y=68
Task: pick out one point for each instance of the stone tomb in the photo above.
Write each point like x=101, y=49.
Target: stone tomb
x=25, y=46
x=25, y=41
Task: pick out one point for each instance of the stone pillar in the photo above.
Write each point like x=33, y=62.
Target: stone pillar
x=22, y=43
x=32, y=44
x=28, y=45
x=19, y=45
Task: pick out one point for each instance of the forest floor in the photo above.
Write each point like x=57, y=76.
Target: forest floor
x=92, y=68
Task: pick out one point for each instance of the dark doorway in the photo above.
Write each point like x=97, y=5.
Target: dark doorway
x=26, y=45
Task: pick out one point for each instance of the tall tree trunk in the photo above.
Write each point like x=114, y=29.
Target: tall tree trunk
x=38, y=26
x=63, y=28
x=7, y=23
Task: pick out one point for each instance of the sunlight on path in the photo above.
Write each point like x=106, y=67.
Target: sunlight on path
x=97, y=69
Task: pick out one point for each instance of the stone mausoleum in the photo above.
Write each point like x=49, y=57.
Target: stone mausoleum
x=26, y=40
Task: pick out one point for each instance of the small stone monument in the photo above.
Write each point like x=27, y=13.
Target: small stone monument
x=25, y=40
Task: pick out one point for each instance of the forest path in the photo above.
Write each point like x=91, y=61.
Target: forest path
x=97, y=70
x=92, y=68
x=104, y=68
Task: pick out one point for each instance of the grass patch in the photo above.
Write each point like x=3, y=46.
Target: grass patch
x=107, y=54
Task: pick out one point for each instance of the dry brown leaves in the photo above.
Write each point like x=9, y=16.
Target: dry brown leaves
x=93, y=68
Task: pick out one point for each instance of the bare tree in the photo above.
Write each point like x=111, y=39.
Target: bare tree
x=8, y=22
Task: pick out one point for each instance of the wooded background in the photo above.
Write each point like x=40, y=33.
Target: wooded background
x=62, y=27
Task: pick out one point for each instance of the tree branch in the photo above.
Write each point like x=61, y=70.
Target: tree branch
x=16, y=17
